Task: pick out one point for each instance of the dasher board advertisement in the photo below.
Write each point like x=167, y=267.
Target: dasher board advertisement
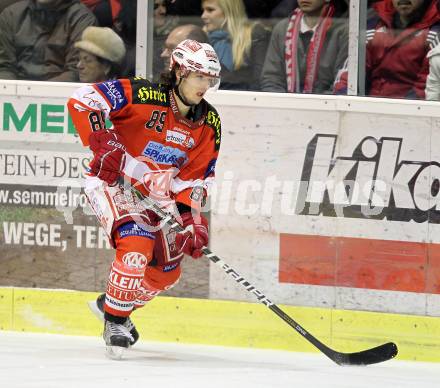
x=330, y=207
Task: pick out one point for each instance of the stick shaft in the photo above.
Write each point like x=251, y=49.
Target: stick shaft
x=369, y=356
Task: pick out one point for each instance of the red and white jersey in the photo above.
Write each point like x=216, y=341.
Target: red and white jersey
x=154, y=132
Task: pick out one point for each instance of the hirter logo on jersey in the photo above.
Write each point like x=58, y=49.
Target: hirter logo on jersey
x=148, y=94
x=213, y=120
x=161, y=154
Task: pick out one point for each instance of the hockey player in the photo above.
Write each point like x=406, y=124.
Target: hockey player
x=165, y=142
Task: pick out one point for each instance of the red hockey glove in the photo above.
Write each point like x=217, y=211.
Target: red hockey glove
x=195, y=235
x=109, y=155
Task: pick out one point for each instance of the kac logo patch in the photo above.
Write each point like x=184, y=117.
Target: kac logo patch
x=135, y=260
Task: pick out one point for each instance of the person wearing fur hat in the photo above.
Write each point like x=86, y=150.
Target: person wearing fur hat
x=101, y=53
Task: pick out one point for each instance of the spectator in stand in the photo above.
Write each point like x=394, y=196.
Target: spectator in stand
x=125, y=26
x=255, y=9
x=240, y=44
x=432, y=89
x=101, y=52
x=400, y=33
x=37, y=39
x=6, y=3
x=163, y=25
x=284, y=9
x=189, y=11
x=179, y=34
x=106, y=11
x=307, y=50
x=259, y=9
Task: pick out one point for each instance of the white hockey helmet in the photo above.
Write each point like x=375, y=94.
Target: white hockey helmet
x=191, y=55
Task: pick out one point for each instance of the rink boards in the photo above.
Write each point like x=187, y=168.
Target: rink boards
x=225, y=323
x=330, y=203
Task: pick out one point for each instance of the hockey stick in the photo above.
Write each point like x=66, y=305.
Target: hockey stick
x=374, y=355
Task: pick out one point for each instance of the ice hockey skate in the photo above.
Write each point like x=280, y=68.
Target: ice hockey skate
x=97, y=308
x=117, y=339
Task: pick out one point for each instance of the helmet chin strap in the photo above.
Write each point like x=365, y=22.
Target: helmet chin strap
x=181, y=98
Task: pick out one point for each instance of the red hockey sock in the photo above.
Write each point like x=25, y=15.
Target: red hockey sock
x=128, y=268
x=155, y=281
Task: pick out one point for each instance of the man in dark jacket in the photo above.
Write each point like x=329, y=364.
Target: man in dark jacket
x=37, y=39
x=400, y=34
x=307, y=50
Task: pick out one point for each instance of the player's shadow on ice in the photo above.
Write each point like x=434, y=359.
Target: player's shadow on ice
x=201, y=360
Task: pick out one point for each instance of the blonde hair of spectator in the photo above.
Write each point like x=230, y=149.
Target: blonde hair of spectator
x=239, y=27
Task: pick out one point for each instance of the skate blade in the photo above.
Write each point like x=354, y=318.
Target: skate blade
x=95, y=310
x=114, y=352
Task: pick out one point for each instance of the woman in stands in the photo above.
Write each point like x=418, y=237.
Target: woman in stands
x=101, y=53
x=240, y=44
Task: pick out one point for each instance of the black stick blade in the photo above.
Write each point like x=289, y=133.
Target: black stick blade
x=366, y=357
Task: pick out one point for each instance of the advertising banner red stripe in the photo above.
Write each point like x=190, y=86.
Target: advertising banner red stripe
x=360, y=263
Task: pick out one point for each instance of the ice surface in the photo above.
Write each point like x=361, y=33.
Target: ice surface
x=54, y=361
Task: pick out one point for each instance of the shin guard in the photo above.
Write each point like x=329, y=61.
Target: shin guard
x=128, y=269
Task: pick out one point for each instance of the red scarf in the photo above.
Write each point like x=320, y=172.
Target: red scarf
x=91, y=3
x=115, y=6
x=313, y=52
